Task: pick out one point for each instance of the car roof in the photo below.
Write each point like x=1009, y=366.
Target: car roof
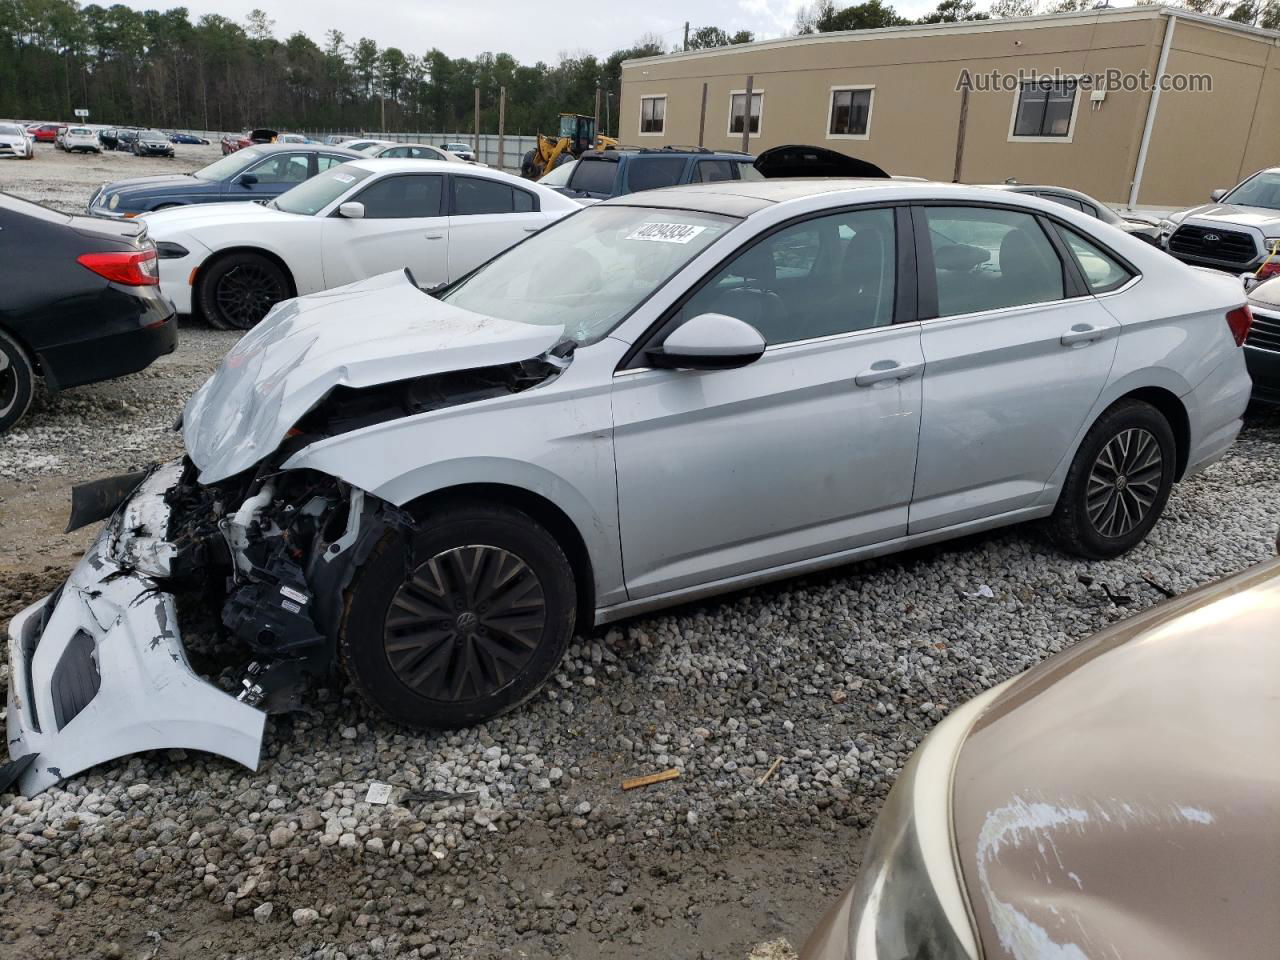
x=304, y=148
x=700, y=152
x=741, y=198
x=412, y=165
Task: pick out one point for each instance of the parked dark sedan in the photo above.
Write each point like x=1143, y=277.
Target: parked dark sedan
x=186, y=138
x=254, y=173
x=152, y=143
x=126, y=137
x=108, y=138
x=81, y=303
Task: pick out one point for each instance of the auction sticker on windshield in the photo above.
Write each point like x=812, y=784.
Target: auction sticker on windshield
x=665, y=232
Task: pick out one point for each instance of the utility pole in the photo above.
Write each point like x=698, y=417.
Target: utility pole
x=746, y=120
x=476, y=145
x=502, y=123
x=686, y=35
x=702, y=116
x=596, y=124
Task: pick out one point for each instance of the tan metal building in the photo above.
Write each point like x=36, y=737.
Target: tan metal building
x=900, y=98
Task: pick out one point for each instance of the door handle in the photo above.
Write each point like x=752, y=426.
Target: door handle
x=435, y=236
x=1082, y=333
x=531, y=229
x=883, y=370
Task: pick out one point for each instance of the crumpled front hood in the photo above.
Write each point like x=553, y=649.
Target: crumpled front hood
x=1121, y=798
x=1237, y=216
x=376, y=331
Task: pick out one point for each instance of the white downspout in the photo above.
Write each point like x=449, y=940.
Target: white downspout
x=1151, y=111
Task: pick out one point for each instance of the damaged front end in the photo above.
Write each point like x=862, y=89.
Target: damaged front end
x=99, y=670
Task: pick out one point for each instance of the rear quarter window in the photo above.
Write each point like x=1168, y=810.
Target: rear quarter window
x=594, y=176
x=649, y=173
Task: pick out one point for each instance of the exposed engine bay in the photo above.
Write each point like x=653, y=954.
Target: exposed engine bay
x=100, y=665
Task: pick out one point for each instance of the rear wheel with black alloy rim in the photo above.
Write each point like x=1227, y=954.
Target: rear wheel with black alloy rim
x=17, y=382
x=464, y=626
x=1118, y=483
x=238, y=290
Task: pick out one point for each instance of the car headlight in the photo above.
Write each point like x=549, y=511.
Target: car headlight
x=909, y=902
x=113, y=202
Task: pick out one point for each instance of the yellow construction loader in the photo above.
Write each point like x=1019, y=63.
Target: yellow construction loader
x=577, y=135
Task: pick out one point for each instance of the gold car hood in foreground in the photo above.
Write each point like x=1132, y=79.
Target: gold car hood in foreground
x=1123, y=800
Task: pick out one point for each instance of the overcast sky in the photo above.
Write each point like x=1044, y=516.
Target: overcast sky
x=530, y=31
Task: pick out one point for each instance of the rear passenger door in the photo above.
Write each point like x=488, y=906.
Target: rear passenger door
x=1016, y=351
x=486, y=216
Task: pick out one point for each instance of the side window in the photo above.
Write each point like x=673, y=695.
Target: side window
x=1101, y=271
x=1066, y=201
x=282, y=168
x=647, y=173
x=1044, y=109
x=424, y=153
x=822, y=277
x=988, y=259
x=712, y=171
x=747, y=171
x=326, y=160
x=402, y=198
x=398, y=153
x=473, y=196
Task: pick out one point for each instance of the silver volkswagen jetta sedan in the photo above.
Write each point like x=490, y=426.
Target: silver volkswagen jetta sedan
x=661, y=397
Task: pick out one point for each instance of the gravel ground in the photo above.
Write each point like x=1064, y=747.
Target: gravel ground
x=170, y=854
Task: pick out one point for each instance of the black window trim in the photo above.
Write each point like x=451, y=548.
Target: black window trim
x=396, y=176
x=451, y=204
x=1055, y=234
x=1073, y=282
x=904, y=294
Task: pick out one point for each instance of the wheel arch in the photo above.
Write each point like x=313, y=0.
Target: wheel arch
x=540, y=509
x=1172, y=409
x=222, y=253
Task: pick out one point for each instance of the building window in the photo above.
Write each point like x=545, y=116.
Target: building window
x=849, y=113
x=738, y=111
x=653, y=116
x=1045, y=110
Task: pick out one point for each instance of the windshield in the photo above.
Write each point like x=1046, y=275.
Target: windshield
x=559, y=177
x=590, y=270
x=152, y=135
x=311, y=197
x=1260, y=190
x=229, y=165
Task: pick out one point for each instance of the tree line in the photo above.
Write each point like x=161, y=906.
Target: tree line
x=161, y=68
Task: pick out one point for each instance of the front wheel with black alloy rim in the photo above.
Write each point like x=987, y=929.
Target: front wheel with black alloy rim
x=463, y=623
x=1118, y=483
x=17, y=382
x=236, y=291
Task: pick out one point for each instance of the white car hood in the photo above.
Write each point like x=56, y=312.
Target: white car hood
x=376, y=331
x=201, y=215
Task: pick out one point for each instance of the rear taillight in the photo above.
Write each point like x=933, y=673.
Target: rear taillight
x=1240, y=320
x=132, y=269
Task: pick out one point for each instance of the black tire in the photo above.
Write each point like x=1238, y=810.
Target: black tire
x=236, y=291
x=486, y=661
x=1118, y=483
x=17, y=382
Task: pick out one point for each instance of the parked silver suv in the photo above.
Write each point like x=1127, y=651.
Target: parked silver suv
x=1237, y=230
x=664, y=396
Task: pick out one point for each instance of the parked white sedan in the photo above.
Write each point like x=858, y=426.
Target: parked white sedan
x=232, y=262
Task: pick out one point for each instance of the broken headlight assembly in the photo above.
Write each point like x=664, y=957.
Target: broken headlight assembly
x=909, y=902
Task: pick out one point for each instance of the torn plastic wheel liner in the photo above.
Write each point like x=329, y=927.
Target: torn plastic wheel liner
x=97, y=670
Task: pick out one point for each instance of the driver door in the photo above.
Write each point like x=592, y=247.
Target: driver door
x=271, y=176
x=403, y=226
x=808, y=451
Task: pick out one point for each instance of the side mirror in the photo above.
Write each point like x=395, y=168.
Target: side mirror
x=1217, y=195
x=709, y=341
x=352, y=210
x=247, y=179
x=1249, y=280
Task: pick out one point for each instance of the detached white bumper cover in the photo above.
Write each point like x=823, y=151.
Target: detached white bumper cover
x=98, y=671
